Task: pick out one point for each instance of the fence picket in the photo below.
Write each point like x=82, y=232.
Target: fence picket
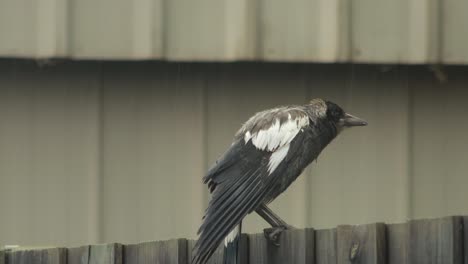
x=258, y=249
x=436, y=241
x=168, y=252
x=325, y=246
x=363, y=244
x=217, y=257
x=78, y=255
x=397, y=235
x=105, y=254
x=37, y=256
x=465, y=229
x=296, y=246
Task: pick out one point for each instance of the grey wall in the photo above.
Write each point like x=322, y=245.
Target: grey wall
x=97, y=152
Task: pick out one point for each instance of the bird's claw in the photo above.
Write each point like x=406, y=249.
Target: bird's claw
x=273, y=234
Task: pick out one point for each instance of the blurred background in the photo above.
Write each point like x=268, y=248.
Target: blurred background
x=112, y=110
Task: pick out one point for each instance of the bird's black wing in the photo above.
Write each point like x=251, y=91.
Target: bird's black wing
x=239, y=189
x=243, y=176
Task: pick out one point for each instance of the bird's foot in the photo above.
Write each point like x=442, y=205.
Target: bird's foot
x=273, y=233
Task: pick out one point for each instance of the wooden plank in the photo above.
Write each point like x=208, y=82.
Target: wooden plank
x=169, y=252
x=397, y=235
x=296, y=246
x=325, y=246
x=244, y=249
x=465, y=231
x=258, y=249
x=217, y=257
x=105, y=254
x=78, y=255
x=436, y=241
x=38, y=256
x=361, y=244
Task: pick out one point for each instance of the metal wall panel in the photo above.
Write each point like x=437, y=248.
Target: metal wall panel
x=209, y=30
x=49, y=154
x=424, y=31
x=17, y=28
x=402, y=31
x=440, y=141
x=102, y=152
x=108, y=29
x=154, y=128
x=299, y=30
x=454, y=31
x=33, y=29
x=385, y=37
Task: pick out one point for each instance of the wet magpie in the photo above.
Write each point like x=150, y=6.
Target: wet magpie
x=268, y=153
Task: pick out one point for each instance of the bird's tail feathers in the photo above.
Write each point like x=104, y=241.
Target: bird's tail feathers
x=231, y=246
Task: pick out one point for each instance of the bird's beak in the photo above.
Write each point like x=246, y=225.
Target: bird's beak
x=350, y=120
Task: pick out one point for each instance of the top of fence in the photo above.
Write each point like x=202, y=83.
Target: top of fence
x=417, y=241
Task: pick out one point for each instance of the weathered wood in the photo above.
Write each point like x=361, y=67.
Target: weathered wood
x=105, y=254
x=244, y=249
x=258, y=249
x=162, y=252
x=296, y=246
x=361, y=244
x=38, y=256
x=436, y=241
x=325, y=246
x=465, y=240
x=397, y=238
x=217, y=257
x=78, y=255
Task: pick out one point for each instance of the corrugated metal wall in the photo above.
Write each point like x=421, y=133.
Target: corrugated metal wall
x=376, y=31
x=95, y=152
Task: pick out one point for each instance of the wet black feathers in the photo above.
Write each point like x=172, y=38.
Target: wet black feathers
x=238, y=186
x=240, y=182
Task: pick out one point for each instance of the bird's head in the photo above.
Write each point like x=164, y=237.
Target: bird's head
x=335, y=114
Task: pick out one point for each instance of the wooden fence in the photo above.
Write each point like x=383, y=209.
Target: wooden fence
x=440, y=241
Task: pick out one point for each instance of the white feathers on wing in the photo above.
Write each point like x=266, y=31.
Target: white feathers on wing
x=247, y=136
x=232, y=235
x=269, y=139
x=277, y=137
x=277, y=157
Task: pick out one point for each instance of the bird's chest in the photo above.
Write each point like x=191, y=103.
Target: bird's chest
x=296, y=166
x=299, y=157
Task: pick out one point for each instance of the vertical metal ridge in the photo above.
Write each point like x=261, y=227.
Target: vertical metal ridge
x=101, y=152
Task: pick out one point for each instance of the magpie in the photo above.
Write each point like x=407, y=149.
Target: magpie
x=268, y=153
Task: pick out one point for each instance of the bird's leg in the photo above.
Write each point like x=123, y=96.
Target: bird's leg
x=277, y=224
x=273, y=219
